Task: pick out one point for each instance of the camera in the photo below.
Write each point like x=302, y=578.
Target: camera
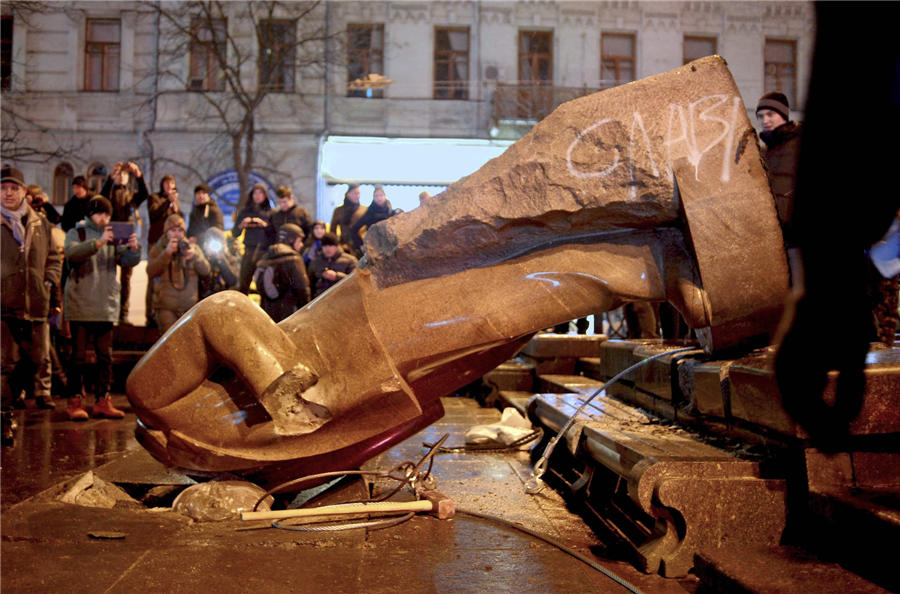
x=184, y=246
x=121, y=232
x=214, y=246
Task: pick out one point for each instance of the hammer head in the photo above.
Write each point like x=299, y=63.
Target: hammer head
x=441, y=505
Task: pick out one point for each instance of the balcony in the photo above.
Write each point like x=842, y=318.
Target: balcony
x=518, y=106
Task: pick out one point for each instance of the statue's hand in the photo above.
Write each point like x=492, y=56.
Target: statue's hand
x=291, y=413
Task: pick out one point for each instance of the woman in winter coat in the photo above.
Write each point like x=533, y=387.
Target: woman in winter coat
x=92, y=304
x=254, y=222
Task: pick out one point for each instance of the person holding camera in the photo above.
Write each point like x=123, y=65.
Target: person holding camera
x=91, y=305
x=40, y=202
x=125, y=198
x=254, y=223
x=175, y=267
x=223, y=264
x=333, y=266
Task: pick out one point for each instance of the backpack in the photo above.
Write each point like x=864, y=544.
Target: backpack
x=268, y=282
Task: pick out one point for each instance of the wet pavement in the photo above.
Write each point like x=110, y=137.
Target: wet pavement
x=48, y=545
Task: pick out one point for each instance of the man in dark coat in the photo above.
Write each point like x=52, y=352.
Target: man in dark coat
x=332, y=267
x=346, y=215
x=289, y=211
x=76, y=208
x=31, y=264
x=204, y=214
x=287, y=288
x=782, y=138
x=125, y=204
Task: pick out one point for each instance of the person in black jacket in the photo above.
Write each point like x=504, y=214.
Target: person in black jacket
x=76, y=208
x=782, y=138
x=289, y=211
x=379, y=210
x=254, y=223
x=281, y=275
x=334, y=266
x=205, y=213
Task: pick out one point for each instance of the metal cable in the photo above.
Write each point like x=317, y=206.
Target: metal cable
x=593, y=564
x=476, y=448
x=535, y=484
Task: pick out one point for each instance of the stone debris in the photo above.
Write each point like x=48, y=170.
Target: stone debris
x=217, y=501
x=92, y=491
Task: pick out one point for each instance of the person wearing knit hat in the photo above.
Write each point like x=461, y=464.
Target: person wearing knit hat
x=205, y=213
x=99, y=204
x=782, y=139
x=175, y=266
x=280, y=275
x=92, y=305
x=332, y=266
x=774, y=102
x=75, y=208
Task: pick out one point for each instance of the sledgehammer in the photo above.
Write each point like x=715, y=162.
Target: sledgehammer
x=433, y=502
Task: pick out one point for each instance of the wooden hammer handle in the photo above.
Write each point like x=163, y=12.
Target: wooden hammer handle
x=343, y=509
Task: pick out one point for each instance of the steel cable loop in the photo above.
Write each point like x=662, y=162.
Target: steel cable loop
x=411, y=475
x=535, y=484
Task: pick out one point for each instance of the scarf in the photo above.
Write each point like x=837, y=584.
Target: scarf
x=15, y=218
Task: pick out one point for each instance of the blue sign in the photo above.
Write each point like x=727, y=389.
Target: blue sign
x=227, y=190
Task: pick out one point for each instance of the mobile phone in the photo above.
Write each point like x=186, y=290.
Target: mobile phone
x=121, y=231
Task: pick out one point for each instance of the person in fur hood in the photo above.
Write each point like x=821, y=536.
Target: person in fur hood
x=281, y=275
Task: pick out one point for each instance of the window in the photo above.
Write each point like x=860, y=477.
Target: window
x=781, y=68
x=101, y=55
x=207, y=45
x=6, y=41
x=451, y=63
x=95, y=177
x=617, y=56
x=698, y=47
x=277, y=51
x=365, y=56
x=62, y=182
x=536, y=57
x=535, y=97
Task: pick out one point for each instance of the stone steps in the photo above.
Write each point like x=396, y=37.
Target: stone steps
x=655, y=431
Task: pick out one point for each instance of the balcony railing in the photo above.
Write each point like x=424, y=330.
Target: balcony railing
x=531, y=102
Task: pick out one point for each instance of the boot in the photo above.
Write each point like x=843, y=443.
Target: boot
x=45, y=403
x=75, y=411
x=103, y=407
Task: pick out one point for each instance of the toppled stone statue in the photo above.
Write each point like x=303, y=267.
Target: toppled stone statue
x=649, y=191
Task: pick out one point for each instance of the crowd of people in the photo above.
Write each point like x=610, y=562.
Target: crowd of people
x=67, y=277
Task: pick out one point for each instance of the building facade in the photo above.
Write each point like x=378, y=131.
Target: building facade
x=186, y=88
